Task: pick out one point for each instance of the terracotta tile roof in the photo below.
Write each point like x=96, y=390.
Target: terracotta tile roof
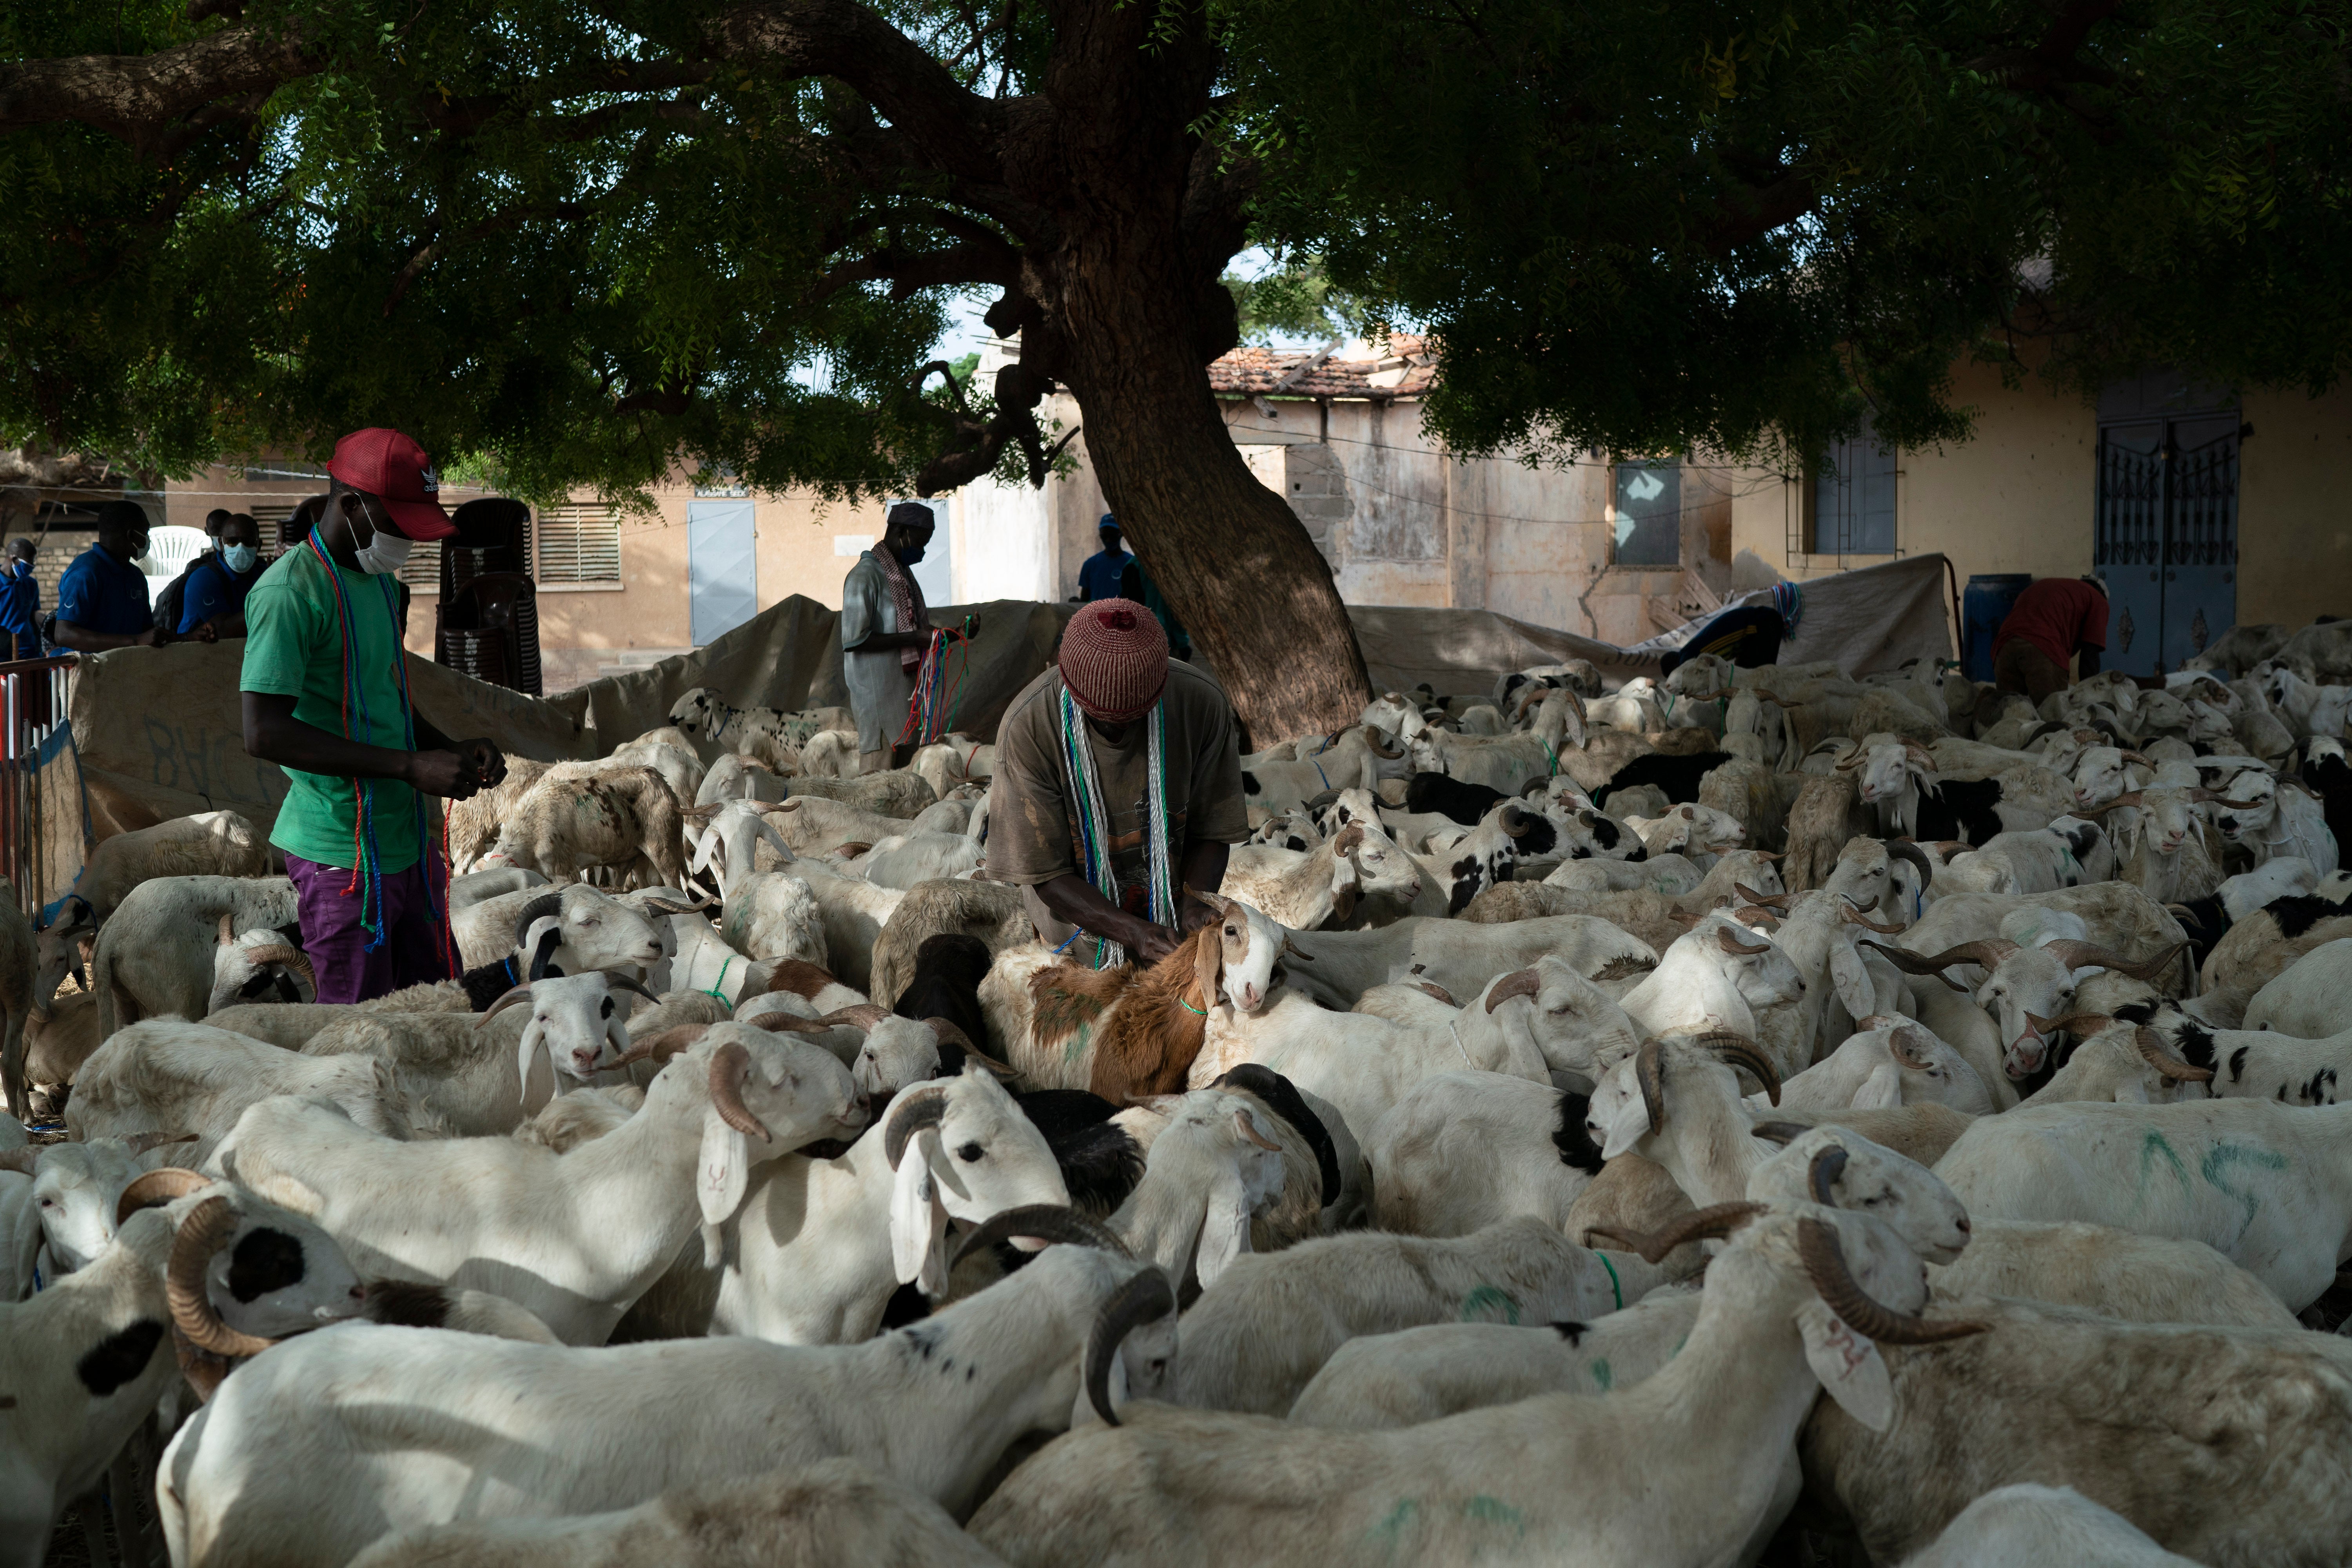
x=1405, y=371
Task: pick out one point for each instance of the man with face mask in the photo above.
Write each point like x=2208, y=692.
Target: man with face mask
x=20, y=603
x=102, y=599
x=218, y=583
x=326, y=699
x=885, y=627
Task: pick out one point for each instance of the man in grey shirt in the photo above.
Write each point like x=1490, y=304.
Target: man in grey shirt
x=885, y=627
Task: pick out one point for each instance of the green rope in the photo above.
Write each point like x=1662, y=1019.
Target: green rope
x=1615, y=1288
x=715, y=994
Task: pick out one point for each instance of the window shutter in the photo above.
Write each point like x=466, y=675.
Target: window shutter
x=579, y=544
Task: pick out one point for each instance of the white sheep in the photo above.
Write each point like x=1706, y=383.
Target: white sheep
x=2028, y=1526
x=596, y=930
x=576, y=1237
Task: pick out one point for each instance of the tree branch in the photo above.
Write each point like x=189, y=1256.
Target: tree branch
x=136, y=99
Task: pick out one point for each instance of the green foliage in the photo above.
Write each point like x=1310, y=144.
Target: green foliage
x=1294, y=300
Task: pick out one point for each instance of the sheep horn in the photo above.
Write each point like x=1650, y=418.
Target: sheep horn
x=1350, y=839
x=1372, y=740
x=293, y=958
x=1710, y=1223
x=1903, y=849
x=1249, y=1129
x=1732, y=944
x=140, y=1143
x=1901, y=1044
x=1778, y=1132
x=947, y=1032
x=544, y=907
x=1515, y=821
x=2082, y=954
x=1741, y=1051
x=860, y=1016
x=1821, y=1177
x=516, y=994
x=659, y=1048
x=1758, y=916
x=1518, y=983
x=1989, y=951
x=157, y=1188
x=1440, y=992
x=1049, y=1223
x=614, y=977
x=1650, y=1073
x=2131, y=798
x=1292, y=948
x=1768, y=900
x=730, y=1064
x=202, y=1234
x=1216, y=901
x=852, y=848
x=1855, y=917
x=672, y=907
x=1146, y=1297
x=1825, y=1266
x=1921, y=754
x=2083, y=1025
x=924, y=1105
x=228, y=930
x=2151, y=1047
x=2146, y=761
x=1853, y=758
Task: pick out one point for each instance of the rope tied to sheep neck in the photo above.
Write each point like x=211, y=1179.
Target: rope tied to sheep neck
x=1615, y=1288
x=1092, y=851
x=716, y=993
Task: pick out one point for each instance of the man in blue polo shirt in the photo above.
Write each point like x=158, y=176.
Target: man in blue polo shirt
x=20, y=603
x=1098, y=576
x=102, y=600
x=219, y=581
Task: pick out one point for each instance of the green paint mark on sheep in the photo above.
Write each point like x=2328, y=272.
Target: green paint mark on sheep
x=1398, y=1521
x=1483, y=1509
x=1486, y=1302
x=2150, y=1147
x=2220, y=1156
x=1601, y=1373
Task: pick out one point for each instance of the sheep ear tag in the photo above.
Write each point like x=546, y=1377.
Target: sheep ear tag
x=1625, y=1126
x=1850, y=1367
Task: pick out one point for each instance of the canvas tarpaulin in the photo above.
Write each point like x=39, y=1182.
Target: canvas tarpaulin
x=161, y=731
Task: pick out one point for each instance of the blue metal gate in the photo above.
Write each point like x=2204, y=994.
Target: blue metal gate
x=2167, y=539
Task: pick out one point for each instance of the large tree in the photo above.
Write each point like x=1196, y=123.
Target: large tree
x=570, y=241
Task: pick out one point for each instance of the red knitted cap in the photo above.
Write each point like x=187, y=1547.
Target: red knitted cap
x=1114, y=660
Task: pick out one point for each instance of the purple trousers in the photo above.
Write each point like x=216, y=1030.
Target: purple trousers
x=410, y=955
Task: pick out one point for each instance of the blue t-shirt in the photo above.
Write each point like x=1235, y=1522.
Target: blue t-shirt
x=100, y=594
x=20, y=603
x=1098, y=578
x=214, y=591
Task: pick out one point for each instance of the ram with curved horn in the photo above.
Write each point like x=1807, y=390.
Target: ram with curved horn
x=572, y=1017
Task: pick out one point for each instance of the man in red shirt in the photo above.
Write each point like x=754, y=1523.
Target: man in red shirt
x=2054, y=620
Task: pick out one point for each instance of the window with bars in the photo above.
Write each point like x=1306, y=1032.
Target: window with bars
x=579, y=544
x=1850, y=499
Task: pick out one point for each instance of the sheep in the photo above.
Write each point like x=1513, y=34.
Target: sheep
x=1334, y=968
x=2066, y=854
x=2121, y=1273
x=473, y=823
x=581, y=815
x=1460, y=1151
x=766, y=920
x=2121, y=1065
x=1698, y=833
x=208, y=844
x=2311, y=997
x=2255, y=1180
x=2024, y=1526
x=1671, y=874
x=2237, y=1453
x=1665, y=1471
x=897, y=795
x=256, y=966
x=1827, y=814
x=904, y=861
x=990, y=912
x=1711, y=978
x=668, y=752
x=1887, y=1065
x=2239, y=649
x=167, y=1073
x=596, y=930
x=729, y=833
x=75, y=1189
x=1437, y=793
x=1322, y=885
x=2260, y=947
x=474, y=1210
x=832, y=1512
x=2280, y=817
x=561, y=1430
x=155, y=955
x=1259, y=1335
x=1132, y=1031
x=2002, y=796
x=572, y=1018
x=476, y=886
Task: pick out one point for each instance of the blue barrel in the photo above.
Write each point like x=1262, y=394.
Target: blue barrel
x=1989, y=597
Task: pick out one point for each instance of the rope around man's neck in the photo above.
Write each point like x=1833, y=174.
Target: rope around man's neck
x=1093, y=851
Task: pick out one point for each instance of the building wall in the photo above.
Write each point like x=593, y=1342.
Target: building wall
x=2294, y=507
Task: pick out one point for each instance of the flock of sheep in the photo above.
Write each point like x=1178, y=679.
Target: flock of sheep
x=1571, y=1089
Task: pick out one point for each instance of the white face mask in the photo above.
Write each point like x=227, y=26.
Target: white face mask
x=387, y=551
x=239, y=557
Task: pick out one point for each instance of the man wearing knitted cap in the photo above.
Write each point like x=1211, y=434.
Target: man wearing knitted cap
x=1118, y=785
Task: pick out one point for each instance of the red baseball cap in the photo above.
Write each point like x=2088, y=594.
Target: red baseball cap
x=388, y=465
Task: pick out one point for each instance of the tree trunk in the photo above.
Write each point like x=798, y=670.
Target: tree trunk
x=1131, y=310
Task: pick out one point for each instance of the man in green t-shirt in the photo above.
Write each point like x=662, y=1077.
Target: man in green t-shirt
x=326, y=699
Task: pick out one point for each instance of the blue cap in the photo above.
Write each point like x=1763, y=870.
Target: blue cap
x=1109, y=522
